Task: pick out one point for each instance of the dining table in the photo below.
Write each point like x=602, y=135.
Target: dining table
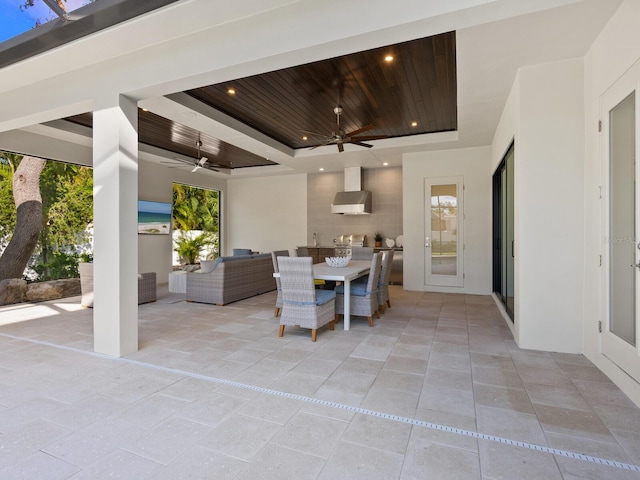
x=355, y=269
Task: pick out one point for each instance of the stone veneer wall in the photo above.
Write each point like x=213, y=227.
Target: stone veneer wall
x=386, y=187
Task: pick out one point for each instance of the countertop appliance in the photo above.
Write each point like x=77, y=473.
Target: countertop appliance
x=342, y=244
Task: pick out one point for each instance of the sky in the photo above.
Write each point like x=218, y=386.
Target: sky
x=13, y=21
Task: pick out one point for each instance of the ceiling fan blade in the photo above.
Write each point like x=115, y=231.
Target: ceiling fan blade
x=340, y=147
x=360, y=130
x=361, y=144
x=368, y=137
x=196, y=168
x=202, y=161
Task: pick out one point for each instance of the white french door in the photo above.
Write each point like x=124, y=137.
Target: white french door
x=443, y=231
x=621, y=259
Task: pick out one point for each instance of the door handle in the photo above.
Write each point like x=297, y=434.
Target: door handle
x=427, y=242
x=635, y=265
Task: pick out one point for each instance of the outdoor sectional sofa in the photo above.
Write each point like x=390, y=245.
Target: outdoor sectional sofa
x=230, y=279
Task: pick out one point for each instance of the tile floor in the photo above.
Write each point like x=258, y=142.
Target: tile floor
x=437, y=389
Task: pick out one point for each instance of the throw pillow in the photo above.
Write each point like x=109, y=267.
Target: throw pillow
x=207, y=266
x=241, y=251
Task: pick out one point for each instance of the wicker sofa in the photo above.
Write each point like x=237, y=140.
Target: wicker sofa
x=231, y=279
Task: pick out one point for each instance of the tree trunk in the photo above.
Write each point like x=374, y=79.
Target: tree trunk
x=26, y=194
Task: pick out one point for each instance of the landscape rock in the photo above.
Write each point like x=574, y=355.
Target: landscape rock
x=16, y=290
x=12, y=290
x=52, y=290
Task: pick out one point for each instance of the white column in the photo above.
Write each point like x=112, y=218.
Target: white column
x=115, y=193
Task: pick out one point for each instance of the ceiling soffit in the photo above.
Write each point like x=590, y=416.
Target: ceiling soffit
x=181, y=140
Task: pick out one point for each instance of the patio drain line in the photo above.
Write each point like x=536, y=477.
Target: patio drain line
x=363, y=411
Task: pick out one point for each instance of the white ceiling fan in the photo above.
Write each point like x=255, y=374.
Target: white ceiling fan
x=199, y=162
x=202, y=160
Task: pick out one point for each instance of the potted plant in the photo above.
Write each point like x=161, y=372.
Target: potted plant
x=378, y=239
x=189, y=248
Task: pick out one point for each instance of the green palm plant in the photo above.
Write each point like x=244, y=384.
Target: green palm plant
x=190, y=248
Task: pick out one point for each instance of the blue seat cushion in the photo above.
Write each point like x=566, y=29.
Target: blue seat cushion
x=322, y=297
x=357, y=289
x=241, y=251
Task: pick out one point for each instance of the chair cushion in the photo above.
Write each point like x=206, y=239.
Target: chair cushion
x=357, y=289
x=322, y=297
x=241, y=251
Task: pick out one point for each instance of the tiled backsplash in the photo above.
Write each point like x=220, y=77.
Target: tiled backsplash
x=385, y=184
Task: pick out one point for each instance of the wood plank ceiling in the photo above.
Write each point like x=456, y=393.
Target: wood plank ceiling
x=418, y=85
x=415, y=93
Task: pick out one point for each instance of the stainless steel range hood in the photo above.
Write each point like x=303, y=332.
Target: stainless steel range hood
x=354, y=200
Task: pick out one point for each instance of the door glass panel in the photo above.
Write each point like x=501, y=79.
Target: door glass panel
x=504, y=232
x=444, y=229
x=510, y=233
x=622, y=251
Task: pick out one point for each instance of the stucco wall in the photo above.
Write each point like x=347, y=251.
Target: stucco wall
x=266, y=214
x=545, y=117
x=474, y=165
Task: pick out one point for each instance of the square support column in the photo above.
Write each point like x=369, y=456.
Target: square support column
x=115, y=194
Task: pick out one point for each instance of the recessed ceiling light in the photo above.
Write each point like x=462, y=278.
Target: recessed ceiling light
x=385, y=163
x=321, y=169
x=388, y=58
x=414, y=124
x=305, y=138
x=231, y=91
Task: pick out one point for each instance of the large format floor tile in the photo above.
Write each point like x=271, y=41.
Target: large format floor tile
x=437, y=389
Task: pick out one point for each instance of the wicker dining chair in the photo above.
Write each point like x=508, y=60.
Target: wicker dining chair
x=383, y=283
x=364, y=296
x=274, y=257
x=302, y=303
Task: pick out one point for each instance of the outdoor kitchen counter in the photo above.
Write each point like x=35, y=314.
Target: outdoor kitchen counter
x=319, y=253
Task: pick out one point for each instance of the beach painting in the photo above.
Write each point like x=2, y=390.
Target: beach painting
x=154, y=218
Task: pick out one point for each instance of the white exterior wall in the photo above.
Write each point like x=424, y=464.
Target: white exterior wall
x=474, y=165
x=266, y=214
x=615, y=50
x=544, y=115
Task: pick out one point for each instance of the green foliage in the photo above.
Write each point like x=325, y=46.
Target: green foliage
x=69, y=215
x=60, y=265
x=8, y=163
x=195, y=208
x=67, y=208
x=377, y=237
x=189, y=247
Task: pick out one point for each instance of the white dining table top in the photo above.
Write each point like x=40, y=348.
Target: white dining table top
x=355, y=269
